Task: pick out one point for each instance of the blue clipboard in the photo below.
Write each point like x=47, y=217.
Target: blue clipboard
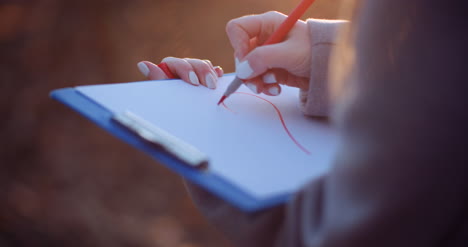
x=211, y=182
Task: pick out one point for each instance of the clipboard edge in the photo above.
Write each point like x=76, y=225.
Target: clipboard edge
x=102, y=117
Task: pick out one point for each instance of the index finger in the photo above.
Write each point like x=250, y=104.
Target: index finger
x=241, y=30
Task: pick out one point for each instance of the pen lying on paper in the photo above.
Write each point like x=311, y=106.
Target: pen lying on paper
x=276, y=37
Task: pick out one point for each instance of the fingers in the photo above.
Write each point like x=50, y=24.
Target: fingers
x=272, y=89
x=259, y=27
x=258, y=85
x=248, y=33
x=270, y=82
x=183, y=69
x=151, y=71
x=255, y=85
x=204, y=71
x=194, y=71
x=219, y=71
x=264, y=58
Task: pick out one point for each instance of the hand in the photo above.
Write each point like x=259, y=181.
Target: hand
x=194, y=71
x=265, y=67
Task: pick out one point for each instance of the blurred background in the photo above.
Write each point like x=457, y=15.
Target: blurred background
x=64, y=181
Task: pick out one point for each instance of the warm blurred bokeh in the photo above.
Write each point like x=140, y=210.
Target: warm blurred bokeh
x=64, y=181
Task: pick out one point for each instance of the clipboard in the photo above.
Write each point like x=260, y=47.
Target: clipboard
x=216, y=183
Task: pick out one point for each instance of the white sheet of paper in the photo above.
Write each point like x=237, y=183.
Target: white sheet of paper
x=248, y=146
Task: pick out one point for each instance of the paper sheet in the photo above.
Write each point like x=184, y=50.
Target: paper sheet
x=247, y=143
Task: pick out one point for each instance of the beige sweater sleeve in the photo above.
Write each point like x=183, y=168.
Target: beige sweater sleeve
x=315, y=101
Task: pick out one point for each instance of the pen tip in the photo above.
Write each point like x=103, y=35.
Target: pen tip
x=222, y=99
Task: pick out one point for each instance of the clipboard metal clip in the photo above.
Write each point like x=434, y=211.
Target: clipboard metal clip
x=161, y=139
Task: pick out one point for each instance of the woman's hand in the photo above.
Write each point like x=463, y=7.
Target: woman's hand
x=194, y=71
x=264, y=68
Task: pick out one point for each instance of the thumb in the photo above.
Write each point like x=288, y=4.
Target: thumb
x=264, y=58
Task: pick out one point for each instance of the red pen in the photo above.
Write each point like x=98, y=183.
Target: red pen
x=166, y=70
x=276, y=37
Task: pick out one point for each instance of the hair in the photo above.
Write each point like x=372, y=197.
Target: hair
x=343, y=56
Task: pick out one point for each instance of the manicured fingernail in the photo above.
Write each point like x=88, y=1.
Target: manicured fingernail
x=244, y=70
x=143, y=68
x=210, y=81
x=273, y=91
x=269, y=78
x=252, y=87
x=194, y=78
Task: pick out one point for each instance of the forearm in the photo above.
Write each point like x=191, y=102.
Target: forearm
x=243, y=229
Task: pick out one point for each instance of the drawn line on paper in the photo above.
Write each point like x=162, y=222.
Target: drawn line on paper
x=285, y=127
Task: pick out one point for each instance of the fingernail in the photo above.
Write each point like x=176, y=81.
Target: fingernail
x=244, y=70
x=269, y=78
x=252, y=87
x=210, y=81
x=143, y=68
x=236, y=60
x=194, y=78
x=273, y=91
